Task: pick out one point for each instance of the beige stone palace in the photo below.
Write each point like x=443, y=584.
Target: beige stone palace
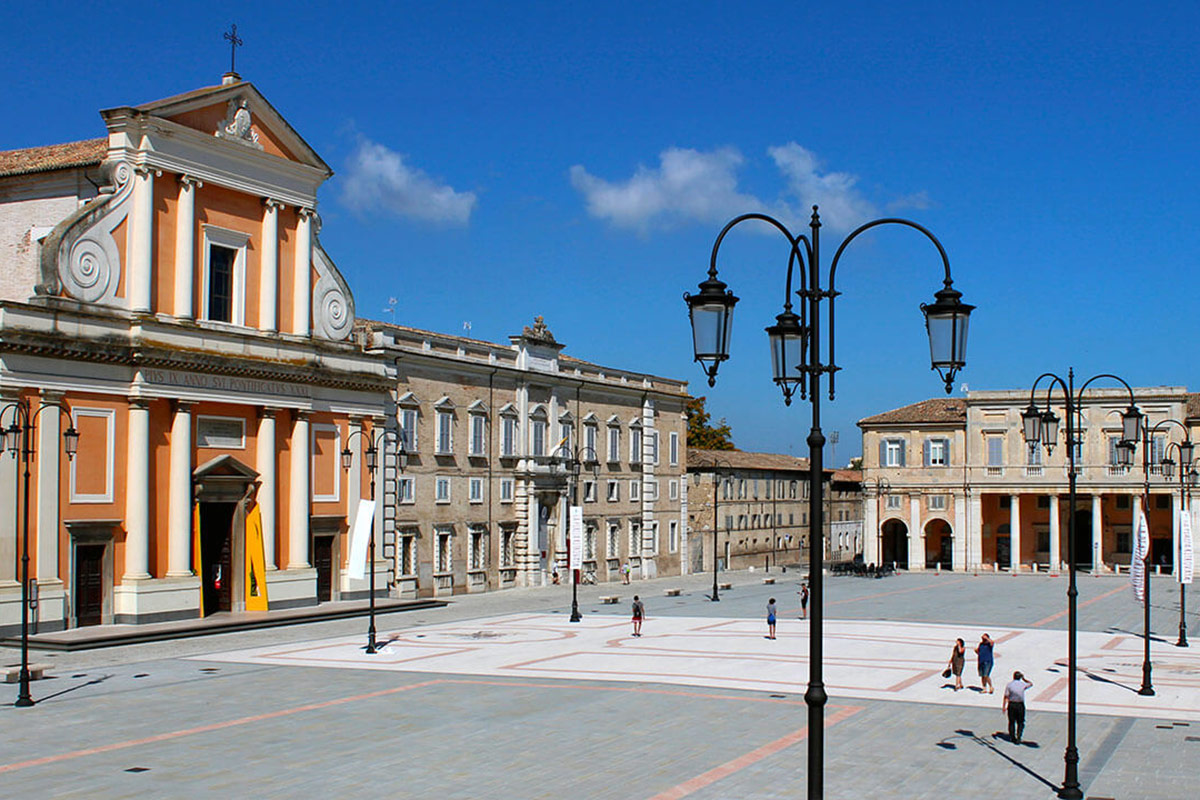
x=950, y=483
x=164, y=293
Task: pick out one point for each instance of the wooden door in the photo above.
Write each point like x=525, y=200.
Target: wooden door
x=89, y=584
x=323, y=561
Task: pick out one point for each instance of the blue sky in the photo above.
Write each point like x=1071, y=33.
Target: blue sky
x=498, y=161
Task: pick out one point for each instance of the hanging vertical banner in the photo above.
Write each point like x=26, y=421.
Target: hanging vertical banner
x=1186, y=557
x=256, y=562
x=576, y=528
x=1137, y=562
x=197, y=557
x=360, y=537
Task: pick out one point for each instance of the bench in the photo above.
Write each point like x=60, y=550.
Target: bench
x=672, y=592
x=610, y=600
x=36, y=672
x=725, y=586
x=768, y=580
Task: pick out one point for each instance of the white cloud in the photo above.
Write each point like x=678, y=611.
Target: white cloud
x=688, y=185
x=917, y=200
x=694, y=186
x=378, y=181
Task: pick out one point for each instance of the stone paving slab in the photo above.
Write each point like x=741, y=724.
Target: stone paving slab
x=866, y=660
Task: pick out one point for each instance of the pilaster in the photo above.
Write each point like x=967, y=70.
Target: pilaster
x=268, y=296
x=302, y=280
x=49, y=492
x=185, y=248
x=299, y=505
x=179, y=508
x=137, y=492
x=1014, y=533
x=1055, y=535
x=268, y=488
x=141, y=241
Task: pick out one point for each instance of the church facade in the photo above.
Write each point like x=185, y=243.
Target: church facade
x=164, y=294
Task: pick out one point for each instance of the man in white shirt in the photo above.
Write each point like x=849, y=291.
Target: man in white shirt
x=1014, y=705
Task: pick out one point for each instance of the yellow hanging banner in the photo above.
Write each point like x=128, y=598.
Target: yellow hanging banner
x=197, y=559
x=256, y=562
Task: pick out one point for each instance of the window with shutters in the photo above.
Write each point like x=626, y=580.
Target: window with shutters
x=937, y=452
x=891, y=453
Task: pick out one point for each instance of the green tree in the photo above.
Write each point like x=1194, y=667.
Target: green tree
x=701, y=433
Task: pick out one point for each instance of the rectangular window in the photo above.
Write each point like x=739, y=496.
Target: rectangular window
x=224, y=276
x=476, y=490
x=478, y=435
x=635, y=490
x=614, y=445
x=443, y=561
x=537, y=437
x=894, y=502
x=614, y=533
x=445, y=433
x=443, y=489
x=478, y=555
x=654, y=537
x=937, y=452
x=1033, y=456
x=674, y=448
x=893, y=453
x=589, y=491
x=635, y=445
x=408, y=429
x=673, y=489
x=937, y=502
x=566, y=434
x=407, y=490
x=221, y=262
x=97, y=428
x=635, y=538
x=408, y=552
x=508, y=437
x=508, y=546
x=614, y=491
x=506, y=490
x=729, y=522
x=589, y=542
x=1113, y=441
x=995, y=451
x=654, y=447
x=590, y=442
x=673, y=536
x=326, y=463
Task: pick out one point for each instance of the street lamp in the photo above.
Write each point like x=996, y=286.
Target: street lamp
x=796, y=358
x=372, y=454
x=571, y=461
x=716, y=463
x=1041, y=427
x=1187, y=477
x=883, y=487
x=18, y=440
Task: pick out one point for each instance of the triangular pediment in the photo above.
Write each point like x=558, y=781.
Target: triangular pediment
x=213, y=111
x=225, y=466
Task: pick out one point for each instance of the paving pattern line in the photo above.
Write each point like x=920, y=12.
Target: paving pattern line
x=1084, y=604
x=216, y=726
x=754, y=756
x=895, y=592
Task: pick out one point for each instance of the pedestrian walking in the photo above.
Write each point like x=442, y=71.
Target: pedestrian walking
x=639, y=613
x=1014, y=705
x=986, y=661
x=958, y=657
x=771, y=618
x=625, y=573
x=803, y=600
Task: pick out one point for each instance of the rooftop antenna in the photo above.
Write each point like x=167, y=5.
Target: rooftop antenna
x=391, y=309
x=234, y=42
x=466, y=326
x=833, y=440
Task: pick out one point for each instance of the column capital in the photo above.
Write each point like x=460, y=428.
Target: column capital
x=140, y=403
x=183, y=406
x=267, y=412
x=301, y=415
x=147, y=171
x=305, y=213
x=271, y=205
x=189, y=182
x=51, y=395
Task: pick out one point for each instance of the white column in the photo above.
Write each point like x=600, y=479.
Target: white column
x=959, y=553
x=268, y=491
x=179, y=508
x=916, y=536
x=141, y=243
x=1192, y=519
x=49, y=445
x=137, y=492
x=975, y=524
x=302, y=302
x=1098, y=533
x=871, y=526
x=185, y=248
x=1055, y=536
x=1014, y=533
x=268, y=292
x=8, y=497
x=299, y=502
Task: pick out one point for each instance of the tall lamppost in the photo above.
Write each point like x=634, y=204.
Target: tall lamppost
x=883, y=487
x=796, y=357
x=371, y=454
x=1041, y=426
x=572, y=460
x=716, y=463
x=18, y=438
x=1187, y=477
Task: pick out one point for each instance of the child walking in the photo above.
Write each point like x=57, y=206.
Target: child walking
x=771, y=618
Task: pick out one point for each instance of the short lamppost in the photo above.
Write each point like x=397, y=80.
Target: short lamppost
x=883, y=487
x=18, y=439
x=716, y=463
x=1187, y=477
x=796, y=358
x=372, y=454
x=571, y=461
x=1041, y=426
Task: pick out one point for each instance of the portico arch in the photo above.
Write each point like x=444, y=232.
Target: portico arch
x=893, y=534
x=939, y=544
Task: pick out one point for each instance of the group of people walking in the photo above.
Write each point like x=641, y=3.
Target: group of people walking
x=1013, y=701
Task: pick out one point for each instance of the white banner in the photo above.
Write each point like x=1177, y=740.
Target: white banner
x=576, y=528
x=1137, y=562
x=1186, y=557
x=360, y=537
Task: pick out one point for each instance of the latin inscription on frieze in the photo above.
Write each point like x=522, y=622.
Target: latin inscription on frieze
x=252, y=387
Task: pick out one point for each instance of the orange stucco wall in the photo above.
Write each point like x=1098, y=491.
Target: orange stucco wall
x=209, y=118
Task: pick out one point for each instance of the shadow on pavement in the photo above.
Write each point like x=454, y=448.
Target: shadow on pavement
x=970, y=736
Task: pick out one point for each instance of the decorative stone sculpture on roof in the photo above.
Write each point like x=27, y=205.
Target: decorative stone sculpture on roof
x=236, y=125
x=539, y=331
